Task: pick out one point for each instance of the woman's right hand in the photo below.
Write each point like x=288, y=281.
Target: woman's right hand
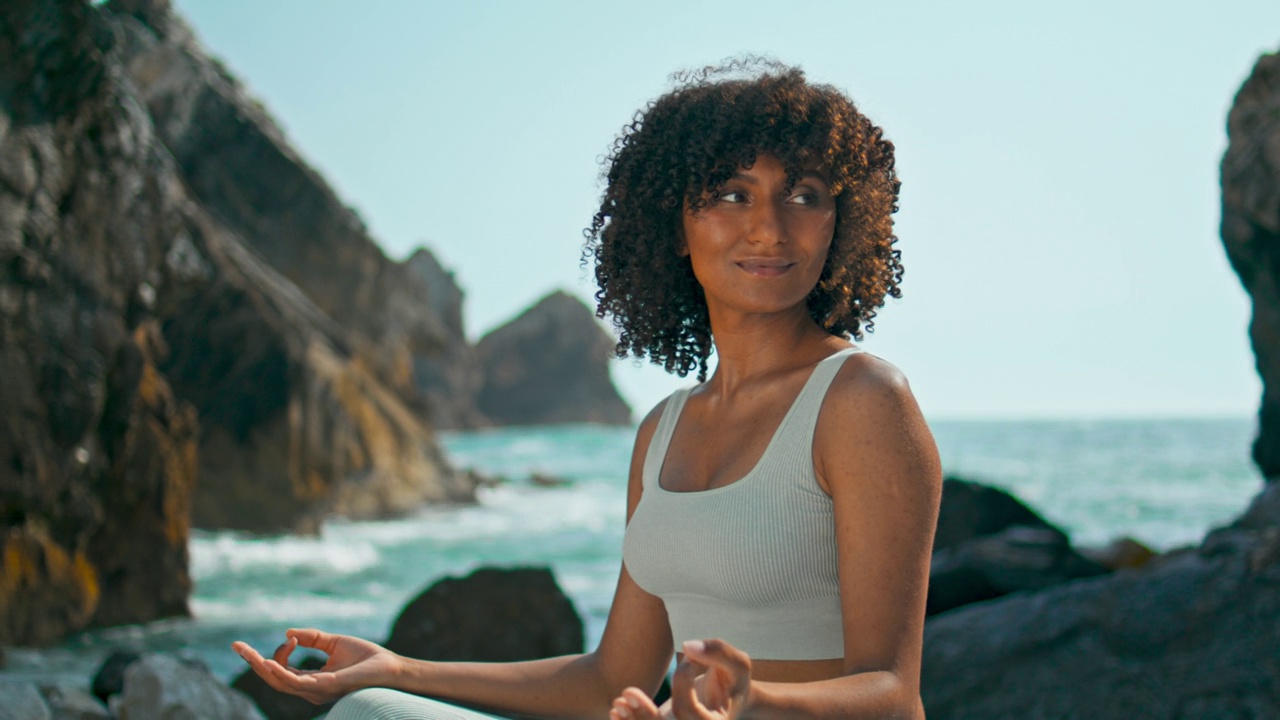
x=353, y=664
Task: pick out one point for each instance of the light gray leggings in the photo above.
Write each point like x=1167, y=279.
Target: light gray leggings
x=384, y=704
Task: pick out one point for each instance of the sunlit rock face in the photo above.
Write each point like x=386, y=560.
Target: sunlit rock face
x=97, y=455
x=1251, y=234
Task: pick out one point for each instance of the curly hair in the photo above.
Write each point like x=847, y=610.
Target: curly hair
x=676, y=155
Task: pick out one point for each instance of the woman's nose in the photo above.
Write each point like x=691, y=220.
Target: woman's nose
x=766, y=226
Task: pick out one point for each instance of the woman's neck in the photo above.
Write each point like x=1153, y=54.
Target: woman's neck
x=755, y=348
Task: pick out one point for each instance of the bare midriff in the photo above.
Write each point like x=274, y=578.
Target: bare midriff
x=794, y=670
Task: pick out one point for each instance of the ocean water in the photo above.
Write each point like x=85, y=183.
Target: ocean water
x=1164, y=482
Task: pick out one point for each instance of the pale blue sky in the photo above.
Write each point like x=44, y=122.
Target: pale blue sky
x=1060, y=205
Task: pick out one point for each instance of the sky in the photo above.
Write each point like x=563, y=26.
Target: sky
x=1060, y=202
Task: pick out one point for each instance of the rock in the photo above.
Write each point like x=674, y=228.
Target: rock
x=1192, y=636
x=99, y=454
x=549, y=365
x=160, y=686
x=22, y=701
x=109, y=680
x=549, y=481
x=492, y=615
x=971, y=510
x=1121, y=553
x=276, y=705
x=295, y=428
x=1251, y=234
x=447, y=375
x=67, y=703
x=1017, y=558
x=1263, y=511
x=240, y=167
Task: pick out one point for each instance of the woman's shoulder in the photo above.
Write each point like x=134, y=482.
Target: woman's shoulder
x=870, y=416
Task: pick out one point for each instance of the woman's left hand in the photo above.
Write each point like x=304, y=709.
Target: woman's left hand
x=712, y=682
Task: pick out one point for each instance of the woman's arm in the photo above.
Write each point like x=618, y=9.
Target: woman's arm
x=635, y=650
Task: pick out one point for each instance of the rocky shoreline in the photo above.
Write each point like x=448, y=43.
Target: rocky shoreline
x=184, y=346
x=195, y=331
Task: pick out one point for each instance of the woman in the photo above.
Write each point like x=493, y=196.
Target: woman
x=780, y=513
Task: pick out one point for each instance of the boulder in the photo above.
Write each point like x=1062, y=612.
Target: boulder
x=1251, y=234
x=492, y=615
x=1191, y=636
x=276, y=705
x=22, y=701
x=109, y=680
x=1121, y=553
x=161, y=686
x=68, y=703
x=1016, y=559
x=98, y=454
x=549, y=365
x=970, y=510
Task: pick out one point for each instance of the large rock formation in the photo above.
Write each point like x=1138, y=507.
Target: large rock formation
x=549, y=365
x=126, y=310
x=97, y=458
x=240, y=167
x=1192, y=634
x=1251, y=234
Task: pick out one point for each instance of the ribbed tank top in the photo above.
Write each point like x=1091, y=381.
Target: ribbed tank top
x=753, y=562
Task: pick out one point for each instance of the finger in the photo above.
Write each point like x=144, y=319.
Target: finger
x=642, y=706
x=313, y=638
x=684, y=692
x=718, y=653
x=282, y=653
x=619, y=710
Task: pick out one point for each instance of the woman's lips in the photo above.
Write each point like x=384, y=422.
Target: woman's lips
x=766, y=267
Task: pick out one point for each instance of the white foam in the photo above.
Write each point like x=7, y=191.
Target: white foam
x=213, y=553
x=296, y=609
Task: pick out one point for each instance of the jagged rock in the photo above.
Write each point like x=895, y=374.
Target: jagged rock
x=276, y=705
x=1251, y=234
x=492, y=615
x=1192, y=636
x=971, y=510
x=294, y=428
x=160, y=686
x=1015, y=559
x=241, y=168
x=98, y=456
x=448, y=375
x=67, y=703
x=549, y=365
x=22, y=701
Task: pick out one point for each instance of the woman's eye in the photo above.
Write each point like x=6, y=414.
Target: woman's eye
x=732, y=196
x=804, y=198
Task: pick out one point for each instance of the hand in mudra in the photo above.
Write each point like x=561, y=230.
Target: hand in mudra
x=711, y=683
x=353, y=664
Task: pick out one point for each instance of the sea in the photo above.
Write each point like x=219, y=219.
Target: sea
x=1163, y=482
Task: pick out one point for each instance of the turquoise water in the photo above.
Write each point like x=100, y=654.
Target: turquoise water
x=1164, y=482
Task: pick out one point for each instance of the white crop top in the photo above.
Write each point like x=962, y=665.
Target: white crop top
x=753, y=562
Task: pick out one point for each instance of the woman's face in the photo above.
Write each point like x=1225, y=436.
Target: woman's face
x=759, y=247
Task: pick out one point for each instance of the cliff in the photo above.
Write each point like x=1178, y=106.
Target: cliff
x=156, y=366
